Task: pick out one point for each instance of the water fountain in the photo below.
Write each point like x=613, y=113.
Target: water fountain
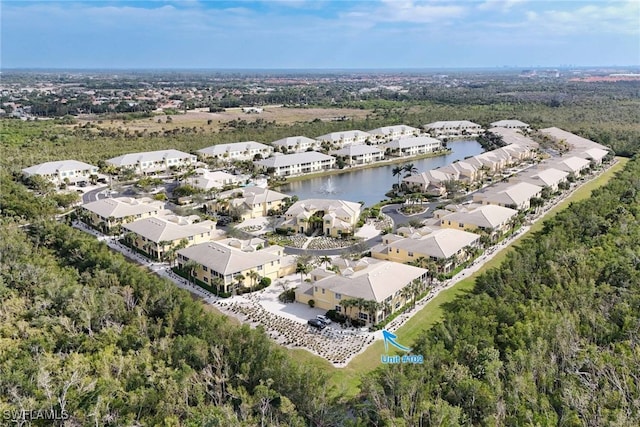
x=329, y=188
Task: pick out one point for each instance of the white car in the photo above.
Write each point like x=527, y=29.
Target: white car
x=323, y=319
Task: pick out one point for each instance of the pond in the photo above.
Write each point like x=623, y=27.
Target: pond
x=370, y=185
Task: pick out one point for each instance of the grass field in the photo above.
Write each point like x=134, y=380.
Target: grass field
x=200, y=118
x=347, y=380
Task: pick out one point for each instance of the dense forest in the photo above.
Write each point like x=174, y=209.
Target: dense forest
x=549, y=338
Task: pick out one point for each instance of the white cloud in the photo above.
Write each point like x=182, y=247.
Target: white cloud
x=407, y=11
x=502, y=5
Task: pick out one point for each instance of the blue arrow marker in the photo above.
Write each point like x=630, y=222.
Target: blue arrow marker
x=389, y=338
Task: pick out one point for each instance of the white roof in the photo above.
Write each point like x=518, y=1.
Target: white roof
x=441, y=243
x=574, y=140
x=148, y=156
x=225, y=259
x=357, y=150
x=488, y=216
x=340, y=208
x=253, y=195
x=572, y=164
x=514, y=136
x=451, y=124
x=509, y=123
x=210, y=179
x=388, y=130
x=375, y=282
x=50, y=168
x=511, y=194
x=596, y=154
x=294, y=159
x=158, y=229
x=413, y=141
x=292, y=141
x=123, y=207
x=220, y=149
x=548, y=176
x=337, y=136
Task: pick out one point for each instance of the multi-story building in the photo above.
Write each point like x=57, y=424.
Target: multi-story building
x=296, y=144
x=296, y=164
x=248, y=202
x=412, y=146
x=247, y=150
x=359, y=154
x=340, y=139
x=156, y=236
x=153, y=161
x=445, y=246
x=514, y=196
x=62, y=171
x=453, y=128
x=492, y=219
x=229, y=263
x=108, y=214
x=389, y=133
x=334, y=218
x=379, y=285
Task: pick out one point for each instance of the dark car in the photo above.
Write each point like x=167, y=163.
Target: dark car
x=317, y=323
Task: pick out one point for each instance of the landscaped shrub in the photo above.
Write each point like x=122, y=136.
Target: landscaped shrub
x=312, y=303
x=287, y=296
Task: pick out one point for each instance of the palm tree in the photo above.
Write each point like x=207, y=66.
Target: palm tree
x=190, y=267
x=253, y=275
x=410, y=169
x=240, y=279
x=324, y=260
x=397, y=171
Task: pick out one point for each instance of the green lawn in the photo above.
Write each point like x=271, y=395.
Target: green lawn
x=347, y=379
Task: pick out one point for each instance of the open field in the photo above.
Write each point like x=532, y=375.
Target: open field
x=347, y=379
x=200, y=118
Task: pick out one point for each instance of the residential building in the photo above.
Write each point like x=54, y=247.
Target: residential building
x=296, y=144
x=596, y=155
x=296, y=164
x=453, y=128
x=342, y=138
x=514, y=196
x=381, y=284
x=510, y=124
x=359, y=154
x=248, y=202
x=108, y=214
x=247, y=150
x=573, y=164
x=153, y=161
x=431, y=182
x=514, y=136
x=157, y=236
x=229, y=263
x=329, y=217
x=577, y=143
x=547, y=177
x=445, y=246
x=491, y=219
x=464, y=171
x=412, y=146
x=205, y=179
x=62, y=171
x=389, y=133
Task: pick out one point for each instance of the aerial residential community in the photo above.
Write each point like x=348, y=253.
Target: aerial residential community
x=246, y=236
x=312, y=214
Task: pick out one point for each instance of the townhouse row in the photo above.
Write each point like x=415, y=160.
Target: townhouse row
x=355, y=147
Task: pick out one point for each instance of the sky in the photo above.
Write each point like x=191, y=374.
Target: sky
x=318, y=34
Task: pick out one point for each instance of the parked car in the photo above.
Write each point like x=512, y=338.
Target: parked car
x=324, y=319
x=82, y=183
x=102, y=180
x=317, y=323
